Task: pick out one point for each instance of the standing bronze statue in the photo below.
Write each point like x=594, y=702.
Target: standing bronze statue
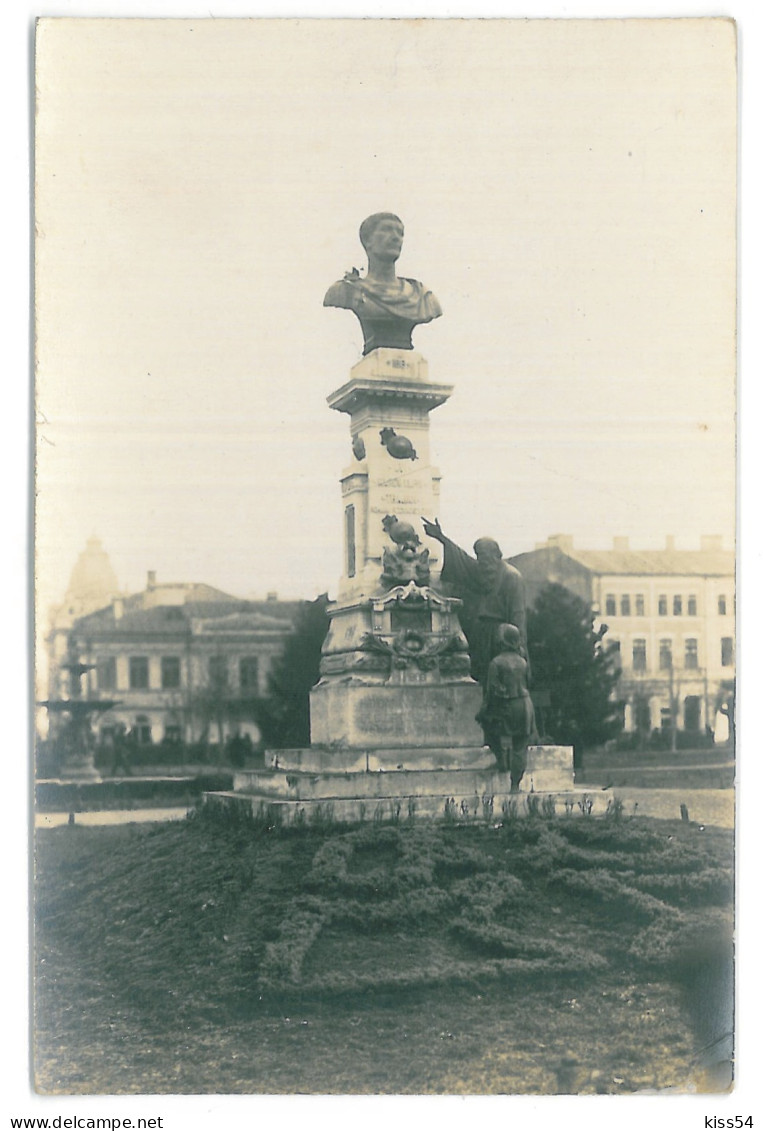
x=507, y=715
x=492, y=592
x=387, y=307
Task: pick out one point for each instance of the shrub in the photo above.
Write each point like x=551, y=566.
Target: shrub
x=484, y=897
x=506, y=942
x=680, y=941
x=532, y=804
x=603, y=888
x=283, y=959
x=711, y=885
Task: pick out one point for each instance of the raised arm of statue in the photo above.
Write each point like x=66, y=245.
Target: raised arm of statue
x=433, y=529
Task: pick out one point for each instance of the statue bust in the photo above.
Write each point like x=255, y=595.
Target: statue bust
x=386, y=306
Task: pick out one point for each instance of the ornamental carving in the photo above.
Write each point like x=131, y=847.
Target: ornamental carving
x=407, y=561
x=399, y=447
x=412, y=648
x=404, y=564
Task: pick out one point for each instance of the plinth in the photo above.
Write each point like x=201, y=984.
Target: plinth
x=392, y=717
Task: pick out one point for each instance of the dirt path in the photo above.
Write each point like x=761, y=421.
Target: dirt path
x=706, y=806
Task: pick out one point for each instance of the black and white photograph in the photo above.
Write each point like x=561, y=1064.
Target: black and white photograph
x=385, y=557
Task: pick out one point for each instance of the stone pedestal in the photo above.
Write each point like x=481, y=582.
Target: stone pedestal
x=388, y=398
x=396, y=716
x=311, y=785
x=395, y=665
x=392, y=717
x=394, y=674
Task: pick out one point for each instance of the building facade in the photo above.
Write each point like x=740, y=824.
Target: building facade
x=670, y=616
x=183, y=661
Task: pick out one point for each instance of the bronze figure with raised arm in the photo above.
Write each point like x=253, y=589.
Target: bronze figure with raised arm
x=492, y=592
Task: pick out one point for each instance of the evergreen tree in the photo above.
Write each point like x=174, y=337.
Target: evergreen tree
x=573, y=674
x=284, y=715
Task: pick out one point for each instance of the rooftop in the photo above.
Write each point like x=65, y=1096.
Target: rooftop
x=710, y=560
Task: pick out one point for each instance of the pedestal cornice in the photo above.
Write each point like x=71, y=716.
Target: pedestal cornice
x=384, y=391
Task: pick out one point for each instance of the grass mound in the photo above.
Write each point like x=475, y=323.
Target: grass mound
x=186, y=927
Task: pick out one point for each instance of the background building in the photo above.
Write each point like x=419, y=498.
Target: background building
x=671, y=616
x=184, y=661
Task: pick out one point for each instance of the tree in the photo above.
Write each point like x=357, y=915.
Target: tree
x=218, y=704
x=284, y=715
x=211, y=700
x=726, y=703
x=573, y=675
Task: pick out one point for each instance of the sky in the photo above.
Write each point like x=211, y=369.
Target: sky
x=568, y=193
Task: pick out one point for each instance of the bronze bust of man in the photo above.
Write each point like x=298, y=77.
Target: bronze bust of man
x=386, y=306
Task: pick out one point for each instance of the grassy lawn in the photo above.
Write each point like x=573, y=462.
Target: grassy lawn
x=538, y=956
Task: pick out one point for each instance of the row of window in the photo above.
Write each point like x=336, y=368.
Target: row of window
x=138, y=679
x=637, y=606
x=692, y=713
x=691, y=653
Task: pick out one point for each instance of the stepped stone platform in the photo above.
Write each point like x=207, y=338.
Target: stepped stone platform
x=302, y=782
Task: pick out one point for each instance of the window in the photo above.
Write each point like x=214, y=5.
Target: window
x=106, y=673
x=642, y=716
x=625, y=606
x=349, y=539
x=639, y=655
x=170, y=672
x=666, y=655
x=692, y=712
x=722, y=606
x=691, y=606
x=138, y=673
x=678, y=606
x=640, y=604
x=691, y=658
x=172, y=734
x=727, y=651
x=666, y=718
x=662, y=605
x=610, y=605
x=142, y=730
x=613, y=649
x=218, y=671
x=249, y=673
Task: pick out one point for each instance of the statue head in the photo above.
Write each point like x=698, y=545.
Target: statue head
x=489, y=557
x=509, y=638
x=382, y=236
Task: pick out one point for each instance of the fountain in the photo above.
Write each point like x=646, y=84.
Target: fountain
x=74, y=737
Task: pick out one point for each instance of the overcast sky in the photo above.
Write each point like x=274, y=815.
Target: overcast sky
x=568, y=193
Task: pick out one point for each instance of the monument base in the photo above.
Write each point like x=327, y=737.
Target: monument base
x=301, y=784
x=396, y=716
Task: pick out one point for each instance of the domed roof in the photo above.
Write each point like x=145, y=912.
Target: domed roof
x=93, y=582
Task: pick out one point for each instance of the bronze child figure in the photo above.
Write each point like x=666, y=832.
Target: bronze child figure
x=507, y=716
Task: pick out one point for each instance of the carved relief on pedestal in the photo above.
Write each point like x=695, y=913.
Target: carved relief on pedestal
x=402, y=565
x=406, y=562
x=409, y=648
x=410, y=630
